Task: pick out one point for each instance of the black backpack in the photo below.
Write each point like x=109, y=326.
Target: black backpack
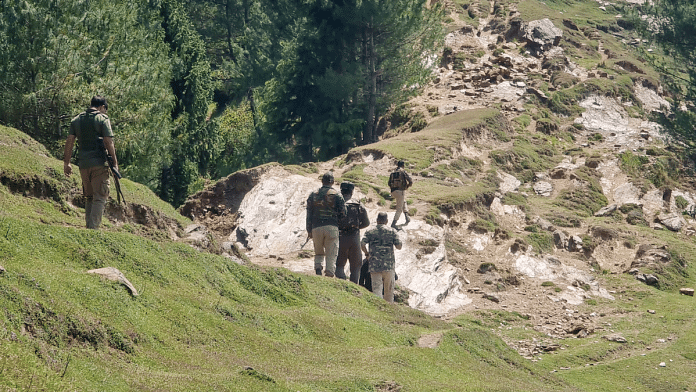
x=396, y=180
x=351, y=222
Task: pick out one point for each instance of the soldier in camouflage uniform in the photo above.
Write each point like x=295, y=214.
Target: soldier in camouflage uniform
x=381, y=240
x=87, y=128
x=349, y=235
x=325, y=208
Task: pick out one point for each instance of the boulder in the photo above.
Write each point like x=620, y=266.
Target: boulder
x=541, y=34
x=574, y=244
x=491, y=297
x=543, y=188
x=687, y=291
x=608, y=210
x=651, y=257
x=672, y=221
x=615, y=338
x=115, y=275
x=560, y=239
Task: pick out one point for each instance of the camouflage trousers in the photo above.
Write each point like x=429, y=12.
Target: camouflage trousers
x=325, y=240
x=95, y=188
x=383, y=280
x=400, y=197
x=349, y=249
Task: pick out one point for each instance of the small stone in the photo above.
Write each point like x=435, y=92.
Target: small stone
x=651, y=311
x=2, y=269
x=662, y=364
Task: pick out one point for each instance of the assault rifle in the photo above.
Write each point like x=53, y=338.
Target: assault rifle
x=114, y=171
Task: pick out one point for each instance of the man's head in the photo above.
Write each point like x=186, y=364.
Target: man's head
x=382, y=218
x=347, y=189
x=99, y=101
x=327, y=178
x=400, y=164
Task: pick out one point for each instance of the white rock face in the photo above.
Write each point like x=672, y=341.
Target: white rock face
x=545, y=270
x=434, y=283
x=273, y=215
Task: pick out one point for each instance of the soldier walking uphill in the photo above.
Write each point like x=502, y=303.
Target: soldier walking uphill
x=349, y=235
x=381, y=240
x=325, y=208
x=399, y=182
x=92, y=130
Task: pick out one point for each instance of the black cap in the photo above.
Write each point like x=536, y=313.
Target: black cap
x=347, y=187
x=327, y=178
x=400, y=164
x=382, y=217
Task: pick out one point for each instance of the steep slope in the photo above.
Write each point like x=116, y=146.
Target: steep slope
x=199, y=321
x=541, y=185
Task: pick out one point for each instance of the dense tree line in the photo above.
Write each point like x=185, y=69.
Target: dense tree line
x=203, y=88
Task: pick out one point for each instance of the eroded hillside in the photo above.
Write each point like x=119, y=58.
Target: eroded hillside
x=539, y=180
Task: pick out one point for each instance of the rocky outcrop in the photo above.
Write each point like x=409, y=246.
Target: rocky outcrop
x=539, y=35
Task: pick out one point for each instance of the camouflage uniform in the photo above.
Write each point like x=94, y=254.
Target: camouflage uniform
x=88, y=127
x=325, y=207
x=381, y=241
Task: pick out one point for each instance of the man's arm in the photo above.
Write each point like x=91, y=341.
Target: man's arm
x=109, y=144
x=409, y=181
x=364, y=219
x=364, y=249
x=67, y=154
x=308, y=221
x=397, y=241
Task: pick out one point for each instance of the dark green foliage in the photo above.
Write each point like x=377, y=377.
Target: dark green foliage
x=481, y=225
x=345, y=64
x=541, y=242
x=681, y=202
x=526, y=158
x=586, y=199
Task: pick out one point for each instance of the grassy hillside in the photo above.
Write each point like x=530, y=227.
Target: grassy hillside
x=201, y=322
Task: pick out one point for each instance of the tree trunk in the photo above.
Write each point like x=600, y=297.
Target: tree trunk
x=369, y=131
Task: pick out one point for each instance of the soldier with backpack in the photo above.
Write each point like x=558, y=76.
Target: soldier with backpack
x=399, y=182
x=325, y=208
x=92, y=131
x=349, y=235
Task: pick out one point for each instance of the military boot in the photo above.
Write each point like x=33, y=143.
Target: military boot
x=318, y=271
x=408, y=218
x=393, y=225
